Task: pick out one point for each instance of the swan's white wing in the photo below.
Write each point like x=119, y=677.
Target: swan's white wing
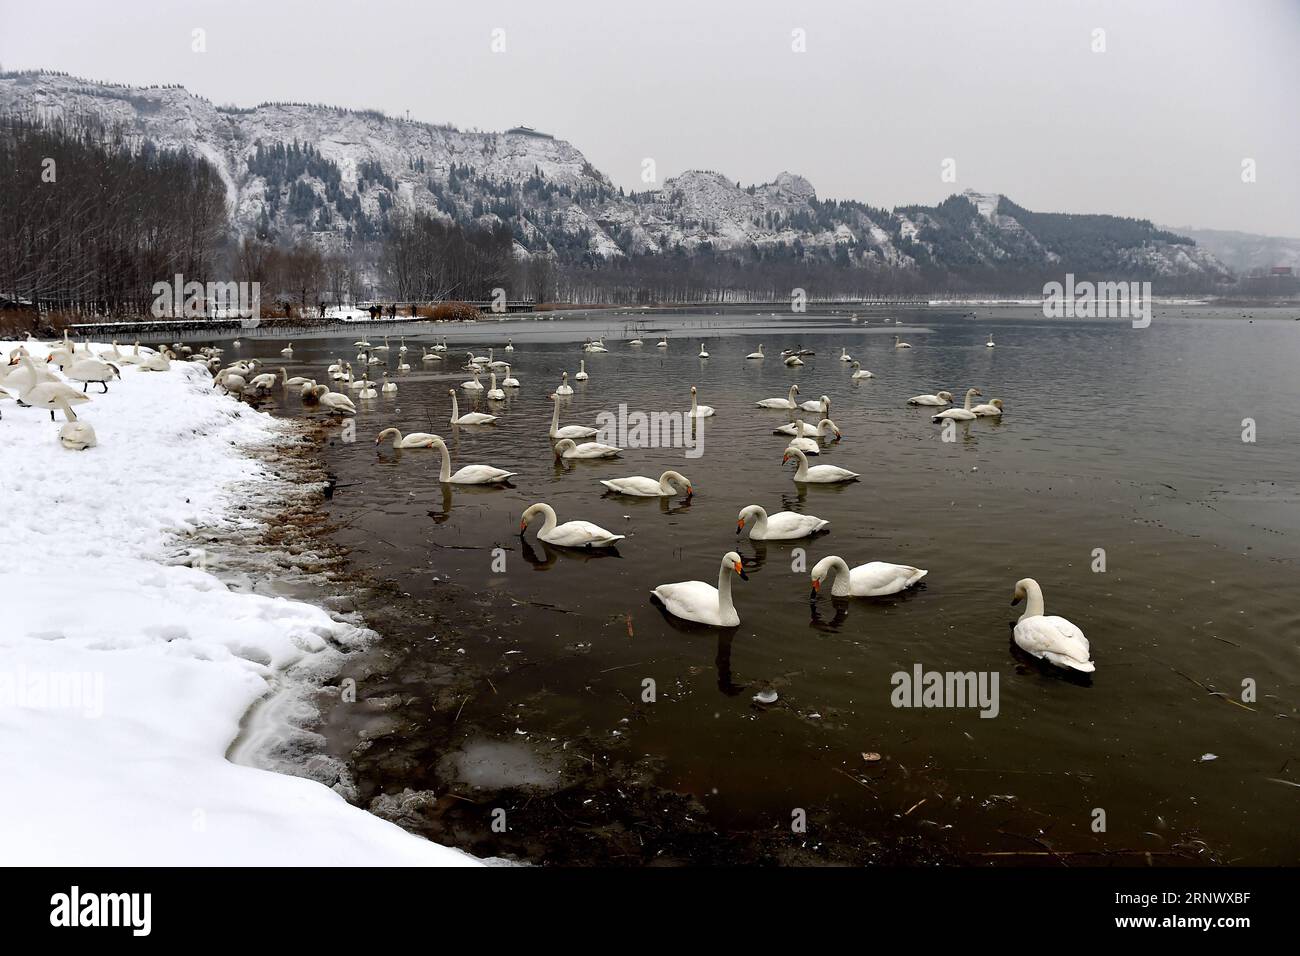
x=878, y=578
x=1055, y=638
x=636, y=485
x=788, y=523
x=479, y=475
x=690, y=600
x=579, y=533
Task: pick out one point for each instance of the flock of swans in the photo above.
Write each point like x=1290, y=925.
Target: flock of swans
x=1049, y=638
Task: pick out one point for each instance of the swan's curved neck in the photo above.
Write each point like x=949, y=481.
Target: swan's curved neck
x=802, y=471
x=793, y=389
x=1033, y=601
x=760, y=522
x=555, y=417
x=840, y=583
x=725, y=607
x=444, y=472
x=694, y=405
x=455, y=409
x=549, y=513
x=969, y=396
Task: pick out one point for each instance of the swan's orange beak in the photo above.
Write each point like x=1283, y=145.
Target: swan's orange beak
x=689, y=491
x=740, y=525
x=523, y=526
x=785, y=459
x=816, y=585
x=740, y=569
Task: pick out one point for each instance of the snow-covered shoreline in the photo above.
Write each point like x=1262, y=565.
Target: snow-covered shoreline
x=125, y=675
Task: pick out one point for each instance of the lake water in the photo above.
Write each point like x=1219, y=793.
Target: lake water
x=515, y=679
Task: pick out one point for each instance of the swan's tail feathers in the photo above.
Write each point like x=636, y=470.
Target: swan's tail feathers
x=1060, y=660
x=916, y=575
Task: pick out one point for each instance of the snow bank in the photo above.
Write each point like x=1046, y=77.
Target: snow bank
x=123, y=679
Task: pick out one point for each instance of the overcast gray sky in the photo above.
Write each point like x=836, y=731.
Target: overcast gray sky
x=1156, y=126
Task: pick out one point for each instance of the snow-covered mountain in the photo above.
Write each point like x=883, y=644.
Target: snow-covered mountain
x=298, y=170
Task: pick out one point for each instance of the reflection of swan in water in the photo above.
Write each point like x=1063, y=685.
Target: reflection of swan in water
x=551, y=554
x=721, y=659
x=819, y=623
x=441, y=516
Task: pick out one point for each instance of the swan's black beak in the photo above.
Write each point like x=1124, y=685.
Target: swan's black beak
x=1015, y=601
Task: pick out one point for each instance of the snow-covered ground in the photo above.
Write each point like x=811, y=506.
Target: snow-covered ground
x=124, y=676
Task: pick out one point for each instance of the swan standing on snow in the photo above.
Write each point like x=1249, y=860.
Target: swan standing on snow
x=939, y=398
x=568, y=431
x=638, y=487
x=571, y=534
x=86, y=370
x=901, y=345
x=859, y=371
x=787, y=403
x=703, y=603
x=568, y=448
x=757, y=355
x=469, y=418
x=873, y=579
x=963, y=414
x=413, y=440
x=75, y=434
x=698, y=410
x=782, y=526
x=1053, y=638
x=817, y=474
x=992, y=410
x=582, y=371
x=565, y=388
x=469, y=474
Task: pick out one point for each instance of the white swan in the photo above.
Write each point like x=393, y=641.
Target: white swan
x=287, y=351
x=782, y=526
x=992, y=410
x=296, y=382
x=568, y=448
x=571, y=534
x=901, y=345
x=844, y=354
x=703, y=603
x=963, y=414
x=469, y=474
x=1053, y=638
x=582, y=371
x=818, y=474
x=703, y=353
x=799, y=428
x=568, y=431
x=336, y=402
x=86, y=370
x=440, y=347
x=565, y=388
x=413, y=440
x=474, y=386
x=388, y=388
x=821, y=406
x=494, y=393
x=493, y=361
x=669, y=483
x=635, y=342
x=859, y=371
x=873, y=579
x=662, y=343
x=698, y=410
x=510, y=345
x=757, y=355
x=939, y=398
x=989, y=344
x=793, y=361
x=402, y=347
x=430, y=356
x=781, y=402
x=469, y=418
x=75, y=435
x=509, y=381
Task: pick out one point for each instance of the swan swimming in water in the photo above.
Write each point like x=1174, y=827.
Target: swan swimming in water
x=757, y=355
x=859, y=371
x=469, y=474
x=901, y=345
x=781, y=402
x=873, y=579
x=939, y=398
x=567, y=431
x=565, y=388
x=413, y=440
x=817, y=474
x=568, y=448
x=703, y=353
x=963, y=414
x=494, y=393
x=571, y=534
x=992, y=410
x=469, y=418
x=509, y=381
x=703, y=603
x=667, y=485
x=698, y=410
x=782, y=526
x=1050, y=637
x=821, y=405
x=582, y=371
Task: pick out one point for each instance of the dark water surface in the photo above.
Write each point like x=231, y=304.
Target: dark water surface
x=523, y=689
